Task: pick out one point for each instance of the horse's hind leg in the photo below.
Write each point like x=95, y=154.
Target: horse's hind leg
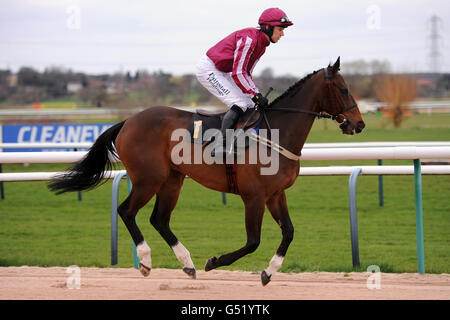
x=166, y=199
x=278, y=208
x=254, y=211
x=138, y=197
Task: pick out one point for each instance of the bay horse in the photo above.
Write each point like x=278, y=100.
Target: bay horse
x=143, y=144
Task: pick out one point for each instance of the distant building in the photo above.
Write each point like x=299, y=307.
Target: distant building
x=112, y=88
x=74, y=87
x=13, y=80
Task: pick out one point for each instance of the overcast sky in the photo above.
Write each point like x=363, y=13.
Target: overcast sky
x=97, y=36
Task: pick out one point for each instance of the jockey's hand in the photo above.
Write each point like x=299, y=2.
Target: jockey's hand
x=260, y=100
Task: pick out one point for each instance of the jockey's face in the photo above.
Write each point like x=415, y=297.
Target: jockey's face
x=278, y=32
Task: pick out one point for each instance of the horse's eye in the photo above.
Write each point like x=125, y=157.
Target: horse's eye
x=343, y=91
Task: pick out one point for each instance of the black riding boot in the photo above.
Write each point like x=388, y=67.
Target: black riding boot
x=228, y=122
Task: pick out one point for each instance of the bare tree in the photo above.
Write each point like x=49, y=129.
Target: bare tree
x=397, y=91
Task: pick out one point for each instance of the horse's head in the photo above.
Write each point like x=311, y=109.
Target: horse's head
x=338, y=101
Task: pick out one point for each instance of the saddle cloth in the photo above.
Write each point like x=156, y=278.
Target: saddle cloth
x=202, y=121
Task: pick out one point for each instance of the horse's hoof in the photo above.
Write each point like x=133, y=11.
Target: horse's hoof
x=144, y=270
x=211, y=264
x=190, y=272
x=265, y=278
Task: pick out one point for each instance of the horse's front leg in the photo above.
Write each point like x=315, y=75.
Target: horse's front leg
x=254, y=211
x=277, y=206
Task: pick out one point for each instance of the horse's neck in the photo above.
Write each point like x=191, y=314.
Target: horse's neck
x=295, y=127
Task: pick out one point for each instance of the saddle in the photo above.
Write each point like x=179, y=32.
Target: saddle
x=204, y=120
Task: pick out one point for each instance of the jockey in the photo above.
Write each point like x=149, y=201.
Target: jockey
x=226, y=69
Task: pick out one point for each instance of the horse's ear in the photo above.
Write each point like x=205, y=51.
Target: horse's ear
x=337, y=65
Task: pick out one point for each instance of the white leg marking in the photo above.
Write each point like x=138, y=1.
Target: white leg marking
x=143, y=251
x=183, y=255
x=274, y=265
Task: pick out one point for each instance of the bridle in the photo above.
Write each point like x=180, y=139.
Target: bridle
x=340, y=115
x=339, y=118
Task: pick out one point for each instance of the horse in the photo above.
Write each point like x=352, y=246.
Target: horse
x=144, y=145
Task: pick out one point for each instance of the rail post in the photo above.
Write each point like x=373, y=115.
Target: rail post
x=380, y=186
x=353, y=216
x=2, y=190
x=419, y=216
x=114, y=220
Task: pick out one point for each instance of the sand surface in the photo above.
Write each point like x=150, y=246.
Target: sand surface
x=166, y=284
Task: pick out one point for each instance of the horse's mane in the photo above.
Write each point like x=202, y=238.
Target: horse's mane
x=295, y=87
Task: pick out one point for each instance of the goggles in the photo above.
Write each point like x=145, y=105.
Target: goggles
x=283, y=20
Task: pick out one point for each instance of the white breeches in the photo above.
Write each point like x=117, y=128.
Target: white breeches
x=221, y=85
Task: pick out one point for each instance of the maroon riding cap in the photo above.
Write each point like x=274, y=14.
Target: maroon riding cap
x=274, y=17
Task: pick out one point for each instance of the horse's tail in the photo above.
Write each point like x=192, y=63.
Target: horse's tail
x=89, y=172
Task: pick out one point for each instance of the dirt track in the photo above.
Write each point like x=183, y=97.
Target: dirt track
x=164, y=284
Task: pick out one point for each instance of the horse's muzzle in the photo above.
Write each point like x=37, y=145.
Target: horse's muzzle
x=349, y=128
x=360, y=126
